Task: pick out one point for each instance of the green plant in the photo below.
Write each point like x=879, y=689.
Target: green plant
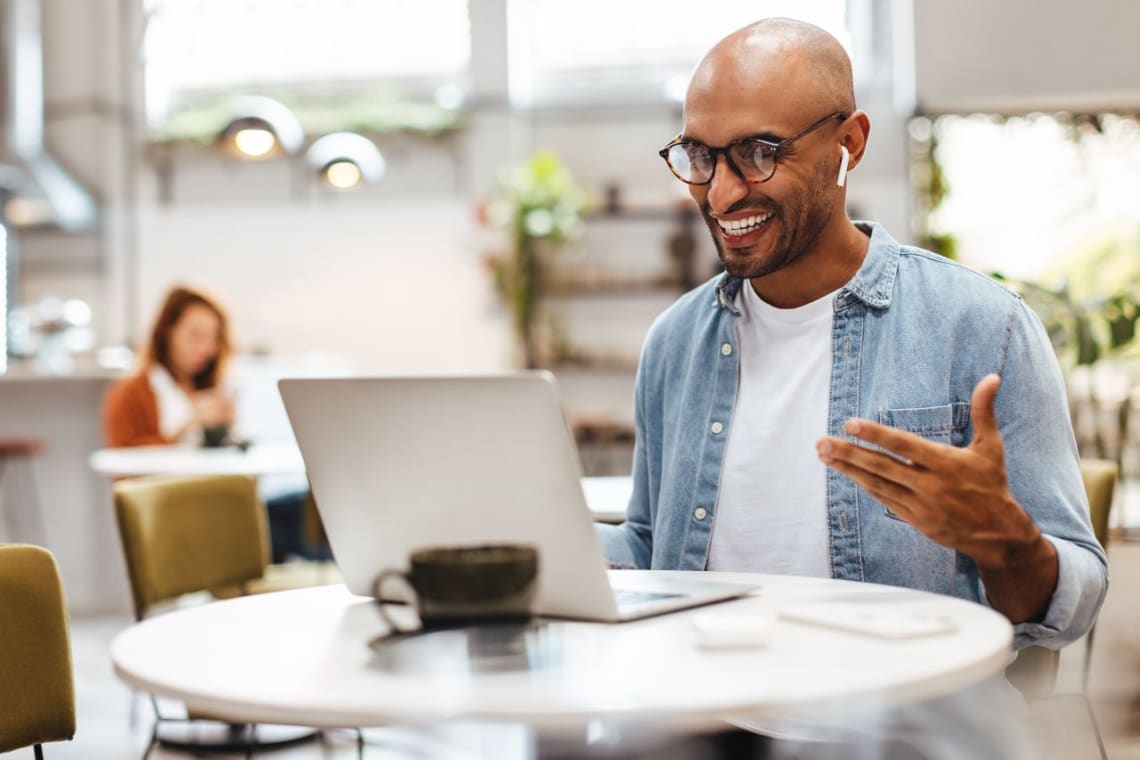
x=929, y=186
x=1091, y=304
x=540, y=206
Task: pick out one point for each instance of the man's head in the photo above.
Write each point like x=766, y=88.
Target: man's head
x=770, y=81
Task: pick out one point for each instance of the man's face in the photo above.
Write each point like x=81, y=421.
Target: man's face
x=760, y=228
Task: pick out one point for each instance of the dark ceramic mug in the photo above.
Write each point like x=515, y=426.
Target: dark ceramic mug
x=463, y=585
x=213, y=437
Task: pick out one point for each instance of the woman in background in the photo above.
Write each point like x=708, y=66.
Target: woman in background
x=177, y=396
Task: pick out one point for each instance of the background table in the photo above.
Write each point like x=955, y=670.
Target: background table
x=259, y=459
x=607, y=497
x=303, y=657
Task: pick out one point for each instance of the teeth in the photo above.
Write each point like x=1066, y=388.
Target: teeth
x=739, y=227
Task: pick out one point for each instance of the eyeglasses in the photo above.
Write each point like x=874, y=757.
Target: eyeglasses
x=750, y=158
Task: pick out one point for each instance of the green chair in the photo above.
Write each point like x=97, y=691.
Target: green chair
x=37, y=694
x=1034, y=672
x=1100, y=476
x=187, y=534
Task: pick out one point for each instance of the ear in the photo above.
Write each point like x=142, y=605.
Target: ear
x=854, y=137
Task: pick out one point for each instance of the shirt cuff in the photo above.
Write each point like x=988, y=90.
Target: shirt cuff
x=1082, y=581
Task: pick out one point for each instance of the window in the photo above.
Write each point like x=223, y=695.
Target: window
x=1033, y=197
x=202, y=47
x=616, y=50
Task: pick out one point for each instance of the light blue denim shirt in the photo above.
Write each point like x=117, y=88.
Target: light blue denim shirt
x=913, y=333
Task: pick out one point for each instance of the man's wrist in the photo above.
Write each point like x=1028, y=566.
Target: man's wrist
x=1022, y=583
x=1020, y=545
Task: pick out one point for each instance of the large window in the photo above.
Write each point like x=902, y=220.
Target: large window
x=201, y=47
x=621, y=51
x=1037, y=197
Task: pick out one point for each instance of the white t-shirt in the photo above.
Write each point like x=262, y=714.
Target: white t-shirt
x=771, y=512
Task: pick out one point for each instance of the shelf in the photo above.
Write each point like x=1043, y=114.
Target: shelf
x=685, y=210
x=615, y=286
x=578, y=360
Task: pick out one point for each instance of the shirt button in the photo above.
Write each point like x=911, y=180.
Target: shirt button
x=726, y=349
x=717, y=428
x=700, y=513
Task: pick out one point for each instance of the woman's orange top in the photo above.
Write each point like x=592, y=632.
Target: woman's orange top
x=130, y=413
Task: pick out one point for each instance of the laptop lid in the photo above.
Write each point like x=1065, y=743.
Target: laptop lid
x=400, y=463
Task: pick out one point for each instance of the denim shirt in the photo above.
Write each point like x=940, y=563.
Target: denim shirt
x=913, y=333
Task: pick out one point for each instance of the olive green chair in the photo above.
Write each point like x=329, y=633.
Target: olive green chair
x=1101, y=477
x=37, y=693
x=1034, y=672
x=187, y=534
x=183, y=534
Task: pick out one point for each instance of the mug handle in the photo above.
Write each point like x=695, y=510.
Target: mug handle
x=377, y=585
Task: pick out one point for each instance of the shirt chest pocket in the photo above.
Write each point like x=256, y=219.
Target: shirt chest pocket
x=944, y=424
x=941, y=424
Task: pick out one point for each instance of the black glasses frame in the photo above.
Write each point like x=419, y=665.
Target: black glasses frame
x=774, y=149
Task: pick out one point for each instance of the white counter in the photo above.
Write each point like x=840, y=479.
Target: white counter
x=65, y=412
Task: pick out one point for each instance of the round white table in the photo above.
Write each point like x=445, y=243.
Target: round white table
x=607, y=497
x=305, y=657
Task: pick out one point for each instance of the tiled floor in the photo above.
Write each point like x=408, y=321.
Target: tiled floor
x=1060, y=725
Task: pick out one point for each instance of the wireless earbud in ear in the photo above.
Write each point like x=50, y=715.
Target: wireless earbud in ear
x=841, y=180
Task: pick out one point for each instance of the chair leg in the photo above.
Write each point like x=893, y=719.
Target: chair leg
x=39, y=750
x=154, y=728
x=1095, y=727
x=1088, y=660
x=360, y=744
x=252, y=742
x=152, y=743
x=31, y=503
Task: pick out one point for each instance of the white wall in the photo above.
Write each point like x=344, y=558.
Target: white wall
x=397, y=286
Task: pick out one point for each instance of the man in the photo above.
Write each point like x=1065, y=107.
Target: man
x=836, y=404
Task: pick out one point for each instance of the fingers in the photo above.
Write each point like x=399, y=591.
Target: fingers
x=838, y=453
x=890, y=485
x=909, y=446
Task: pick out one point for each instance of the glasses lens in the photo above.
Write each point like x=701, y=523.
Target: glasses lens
x=757, y=160
x=691, y=162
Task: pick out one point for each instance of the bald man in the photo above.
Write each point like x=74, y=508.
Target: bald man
x=837, y=404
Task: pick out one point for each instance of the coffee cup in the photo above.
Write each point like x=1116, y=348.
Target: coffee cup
x=463, y=585
x=215, y=436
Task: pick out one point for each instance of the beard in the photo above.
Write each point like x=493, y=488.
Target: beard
x=800, y=220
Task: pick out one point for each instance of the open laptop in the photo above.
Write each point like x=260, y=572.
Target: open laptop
x=401, y=463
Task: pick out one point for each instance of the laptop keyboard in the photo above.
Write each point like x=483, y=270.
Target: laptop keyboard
x=628, y=598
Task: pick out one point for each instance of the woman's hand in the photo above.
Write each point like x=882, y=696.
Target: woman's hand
x=212, y=408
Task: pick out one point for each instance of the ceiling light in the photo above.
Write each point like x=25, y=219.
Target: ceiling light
x=345, y=159
x=261, y=128
x=342, y=174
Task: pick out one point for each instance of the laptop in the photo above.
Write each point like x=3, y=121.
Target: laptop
x=401, y=463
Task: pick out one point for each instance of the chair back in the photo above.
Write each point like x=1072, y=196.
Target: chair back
x=37, y=693
x=1034, y=672
x=1100, y=476
x=183, y=534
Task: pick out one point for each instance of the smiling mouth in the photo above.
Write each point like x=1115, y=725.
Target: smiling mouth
x=741, y=227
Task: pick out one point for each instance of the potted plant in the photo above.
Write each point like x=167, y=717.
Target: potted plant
x=540, y=207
